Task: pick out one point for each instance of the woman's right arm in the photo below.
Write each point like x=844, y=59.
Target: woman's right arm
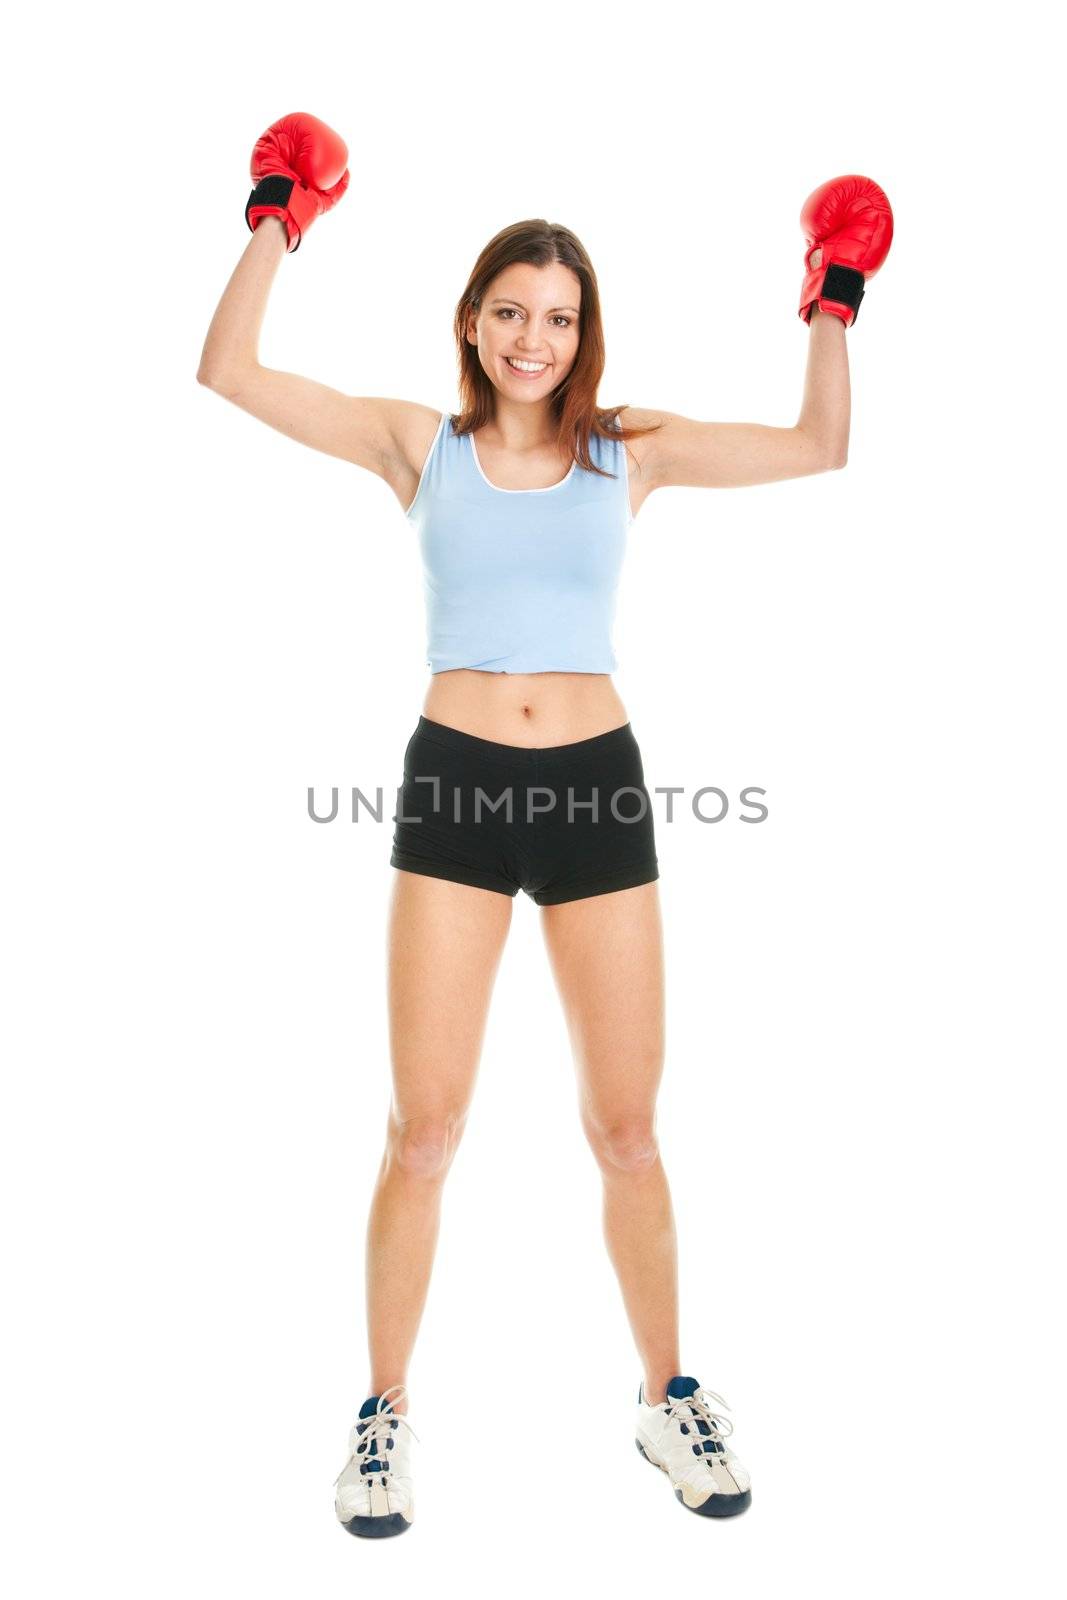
x=372, y=433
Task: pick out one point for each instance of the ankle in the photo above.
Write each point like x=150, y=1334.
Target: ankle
x=396, y=1403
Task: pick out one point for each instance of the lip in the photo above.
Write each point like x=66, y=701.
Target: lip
x=529, y=376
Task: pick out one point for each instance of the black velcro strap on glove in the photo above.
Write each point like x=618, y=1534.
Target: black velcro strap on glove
x=845, y=285
x=274, y=190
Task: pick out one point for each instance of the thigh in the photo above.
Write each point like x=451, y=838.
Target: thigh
x=444, y=947
x=606, y=953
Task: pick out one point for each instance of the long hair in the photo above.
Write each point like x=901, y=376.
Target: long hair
x=573, y=401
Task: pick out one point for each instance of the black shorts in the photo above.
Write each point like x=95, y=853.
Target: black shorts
x=561, y=822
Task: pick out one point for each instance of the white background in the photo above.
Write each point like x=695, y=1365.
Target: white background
x=201, y=618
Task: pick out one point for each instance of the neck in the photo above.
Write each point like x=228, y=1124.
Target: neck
x=521, y=427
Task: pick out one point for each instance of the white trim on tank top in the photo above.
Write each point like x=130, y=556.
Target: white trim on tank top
x=549, y=487
x=446, y=418
x=496, y=487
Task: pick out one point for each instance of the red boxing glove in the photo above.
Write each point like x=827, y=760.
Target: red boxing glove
x=301, y=169
x=850, y=221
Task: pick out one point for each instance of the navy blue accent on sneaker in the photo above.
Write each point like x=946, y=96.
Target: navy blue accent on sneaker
x=680, y=1389
x=370, y=1406
x=374, y=1463
x=377, y=1527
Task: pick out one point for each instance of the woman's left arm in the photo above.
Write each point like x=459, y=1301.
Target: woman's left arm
x=723, y=455
x=848, y=226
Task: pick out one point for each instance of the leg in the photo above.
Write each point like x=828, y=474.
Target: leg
x=607, y=957
x=445, y=943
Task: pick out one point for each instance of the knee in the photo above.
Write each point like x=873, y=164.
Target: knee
x=423, y=1146
x=628, y=1145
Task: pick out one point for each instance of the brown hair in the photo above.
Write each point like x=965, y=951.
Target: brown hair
x=539, y=243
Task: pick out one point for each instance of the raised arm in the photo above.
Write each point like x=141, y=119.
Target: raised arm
x=363, y=431
x=373, y=433
x=684, y=453
x=848, y=225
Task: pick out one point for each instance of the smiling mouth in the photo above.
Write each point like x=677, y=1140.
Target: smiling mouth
x=539, y=366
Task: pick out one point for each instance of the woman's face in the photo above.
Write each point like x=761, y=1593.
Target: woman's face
x=531, y=314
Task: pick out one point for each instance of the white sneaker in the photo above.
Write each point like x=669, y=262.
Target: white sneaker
x=375, y=1488
x=685, y=1438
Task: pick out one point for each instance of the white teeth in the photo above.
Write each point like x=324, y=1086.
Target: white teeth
x=526, y=366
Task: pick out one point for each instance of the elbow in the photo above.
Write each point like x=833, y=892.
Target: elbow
x=219, y=382
x=227, y=381
x=209, y=378
x=822, y=452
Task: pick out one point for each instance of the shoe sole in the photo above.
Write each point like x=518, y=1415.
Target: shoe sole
x=377, y=1527
x=716, y=1505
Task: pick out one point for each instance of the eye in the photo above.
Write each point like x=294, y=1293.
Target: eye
x=559, y=317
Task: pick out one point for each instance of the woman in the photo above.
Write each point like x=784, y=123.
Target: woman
x=522, y=503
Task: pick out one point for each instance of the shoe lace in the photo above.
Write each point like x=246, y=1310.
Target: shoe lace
x=696, y=1407
x=378, y=1426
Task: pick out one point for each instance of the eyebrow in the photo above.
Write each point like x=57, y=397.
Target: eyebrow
x=523, y=308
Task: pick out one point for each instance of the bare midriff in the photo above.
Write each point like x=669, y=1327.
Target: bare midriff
x=531, y=709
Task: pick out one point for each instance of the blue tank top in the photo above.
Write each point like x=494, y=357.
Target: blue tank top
x=519, y=580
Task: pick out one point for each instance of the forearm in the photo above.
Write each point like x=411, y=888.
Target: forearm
x=233, y=338
x=826, y=409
